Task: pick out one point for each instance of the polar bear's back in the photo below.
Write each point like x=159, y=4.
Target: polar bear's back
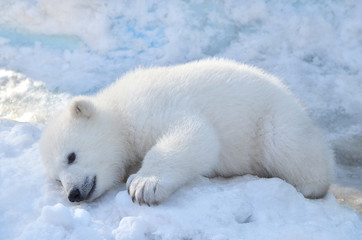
x=223, y=91
x=210, y=83
x=235, y=98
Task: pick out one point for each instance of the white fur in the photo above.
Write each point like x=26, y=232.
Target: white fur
x=212, y=117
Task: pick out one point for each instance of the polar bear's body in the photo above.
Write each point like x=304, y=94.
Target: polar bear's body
x=211, y=117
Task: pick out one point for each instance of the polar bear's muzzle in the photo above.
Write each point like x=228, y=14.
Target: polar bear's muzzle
x=83, y=192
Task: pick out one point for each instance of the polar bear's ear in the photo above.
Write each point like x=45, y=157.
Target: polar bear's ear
x=81, y=107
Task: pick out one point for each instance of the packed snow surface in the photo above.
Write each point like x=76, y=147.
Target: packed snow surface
x=52, y=50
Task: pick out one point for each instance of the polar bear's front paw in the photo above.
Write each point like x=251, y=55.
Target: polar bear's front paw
x=147, y=189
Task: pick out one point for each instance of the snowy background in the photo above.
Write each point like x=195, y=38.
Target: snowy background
x=52, y=50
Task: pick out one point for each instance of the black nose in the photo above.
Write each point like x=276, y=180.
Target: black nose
x=74, y=195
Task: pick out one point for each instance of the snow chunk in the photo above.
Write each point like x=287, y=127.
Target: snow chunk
x=16, y=137
x=57, y=215
x=131, y=228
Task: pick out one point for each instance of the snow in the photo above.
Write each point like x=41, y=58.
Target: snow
x=52, y=50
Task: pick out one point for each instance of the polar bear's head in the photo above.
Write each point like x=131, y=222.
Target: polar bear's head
x=82, y=148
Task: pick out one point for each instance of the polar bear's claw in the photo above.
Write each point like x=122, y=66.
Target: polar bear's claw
x=146, y=189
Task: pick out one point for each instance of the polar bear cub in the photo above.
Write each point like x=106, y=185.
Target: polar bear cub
x=163, y=126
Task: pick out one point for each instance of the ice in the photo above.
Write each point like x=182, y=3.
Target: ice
x=52, y=50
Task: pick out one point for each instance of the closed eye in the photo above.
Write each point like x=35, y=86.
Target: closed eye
x=71, y=158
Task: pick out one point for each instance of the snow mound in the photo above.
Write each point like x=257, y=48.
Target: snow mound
x=242, y=207
x=25, y=100
x=59, y=222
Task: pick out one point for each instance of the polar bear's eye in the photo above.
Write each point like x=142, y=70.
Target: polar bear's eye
x=71, y=158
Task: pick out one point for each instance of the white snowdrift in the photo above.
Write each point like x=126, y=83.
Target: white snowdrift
x=246, y=207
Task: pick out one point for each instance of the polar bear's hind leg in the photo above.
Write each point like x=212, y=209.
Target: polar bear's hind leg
x=295, y=151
